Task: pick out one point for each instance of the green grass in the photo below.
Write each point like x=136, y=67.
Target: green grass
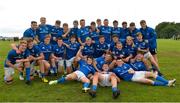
x=169, y=61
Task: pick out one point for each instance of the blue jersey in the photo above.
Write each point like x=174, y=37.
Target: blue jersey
x=94, y=35
x=122, y=72
x=56, y=32
x=100, y=49
x=138, y=66
x=142, y=44
x=73, y=31
x=29, y=33
x=112, y=46
x=83, y=33
x=86, y=68
x=88, y=50
x=150, y=35
x=131, y=49
x=124, y=34
x=106, y=31
x=121, y=53
x=100, y=61
x=13, y=56
x=65, y=39
x=35, y=51
x=72, y=50
x=133, y=33
x=58, y=51
x=116, y=30
x=46, y=49
x=42, y=31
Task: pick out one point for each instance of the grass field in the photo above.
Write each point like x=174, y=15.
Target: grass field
x=169, y=61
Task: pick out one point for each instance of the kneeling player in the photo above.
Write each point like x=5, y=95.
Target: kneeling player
x=18, y=61
x=85, y=68
x=105, y=78
x=125, y=71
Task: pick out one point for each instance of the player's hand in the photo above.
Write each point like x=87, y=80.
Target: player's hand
x=82, y=44
x=131, y=71
x=18, y=61
x=17, y=51
x=81, y=47
x=64, y=36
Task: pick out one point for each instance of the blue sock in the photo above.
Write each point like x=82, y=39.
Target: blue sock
x=114, y=89
x=61, y=80
x=54, y=69
x=157, y=83
x=94, y=87
x=28, y=73
x=159, y=78
x=43, y=75
x=85, y=85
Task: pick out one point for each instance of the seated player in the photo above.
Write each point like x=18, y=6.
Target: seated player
x=100, y=47
x=105, y=78
x=18, y=61
x=115, y=39
x=85, y=68
x=124, y=71
x=88, y=49
x=130, y=46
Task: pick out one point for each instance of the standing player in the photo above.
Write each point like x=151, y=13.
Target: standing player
x=43, y=30
x=56, y=32
x=31, y=32
x=115, y=39
x=99, y=23
x=85, y=68
x=124, y=32
x=133, y=30
x=105, y=78
x=149, y=35
x=83, y=32
x=74, y=30
x=115, y=29
x=66, y=30
x=18, y=61
x=94, y=32
x=106, y=30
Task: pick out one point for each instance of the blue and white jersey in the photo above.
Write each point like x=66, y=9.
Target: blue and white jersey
x=106, y=31
x=13, y=56
x=94, y=35
x=73, y=31
x=34, y=51
x=29, y=33
x=86, y=68
x=59, y=51
x=133, y=33
x=122, y=72
x=46, y=49
x=100, y=61
x=88, y=50
x=83, y=33
x=116, y=30
x=120, y=53
x=138, y=66
x=72, y=50
x=142, y=45
x=131, y=49
x=150, y=35
x=100, y=49
x=42, y=31
x=124, y=34
x=56, y=32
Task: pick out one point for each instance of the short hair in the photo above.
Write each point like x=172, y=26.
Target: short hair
x=115, y=35
x=93, y=23
x=22, y=42
x=65, y=24
x=58, y=22
x=115, y=21
x=32, y=22
x=82, y=20
x=90, y=57
x=101, y=36
x=138, y=34
x=73, y=36
x=142, y=21
x=29, y=40
x=48, y=36
x=119, y=43
x=75, y=21
x=98, y=20
x=59, y=38
x=42, y=18
x=106, y=20
x=124, y=22
x=132, y=24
